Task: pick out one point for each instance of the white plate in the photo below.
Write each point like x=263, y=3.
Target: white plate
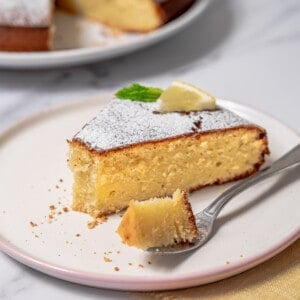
x=33, y=157
x=79, y=41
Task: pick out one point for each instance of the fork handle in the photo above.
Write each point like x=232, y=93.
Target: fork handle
x=288, y=160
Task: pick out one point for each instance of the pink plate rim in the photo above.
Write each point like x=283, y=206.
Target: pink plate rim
x=142, y=283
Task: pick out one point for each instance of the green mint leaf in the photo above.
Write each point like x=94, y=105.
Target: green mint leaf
x=139, y=92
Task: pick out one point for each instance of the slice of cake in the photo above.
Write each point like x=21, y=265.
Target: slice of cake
x=128, y=15
x=130, y=151
x=158, y=222
x=25, y=25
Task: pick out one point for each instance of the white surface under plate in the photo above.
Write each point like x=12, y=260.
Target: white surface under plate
x=78, y=41
x=34, y=175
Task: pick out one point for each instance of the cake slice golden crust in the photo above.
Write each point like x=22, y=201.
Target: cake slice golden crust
x=24, y=38
x=158, y=222
x=130, y=152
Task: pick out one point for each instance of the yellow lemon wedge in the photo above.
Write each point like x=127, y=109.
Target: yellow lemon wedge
x=184, y=97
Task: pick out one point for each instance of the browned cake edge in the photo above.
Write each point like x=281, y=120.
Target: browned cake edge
x=24, y=38
x=262, y=135
x=172, y=9
x=191, y=216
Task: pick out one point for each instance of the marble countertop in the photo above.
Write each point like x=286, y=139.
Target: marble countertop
x=244, y=51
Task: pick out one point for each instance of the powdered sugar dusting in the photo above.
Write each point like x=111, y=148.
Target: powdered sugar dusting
x=30, y=13
x=124, y=122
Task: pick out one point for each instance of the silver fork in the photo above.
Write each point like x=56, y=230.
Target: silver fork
x=206, y=218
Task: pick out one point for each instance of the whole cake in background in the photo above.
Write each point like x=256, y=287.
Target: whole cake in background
x=27, y=25
x=128, y=15
x=133, y=150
